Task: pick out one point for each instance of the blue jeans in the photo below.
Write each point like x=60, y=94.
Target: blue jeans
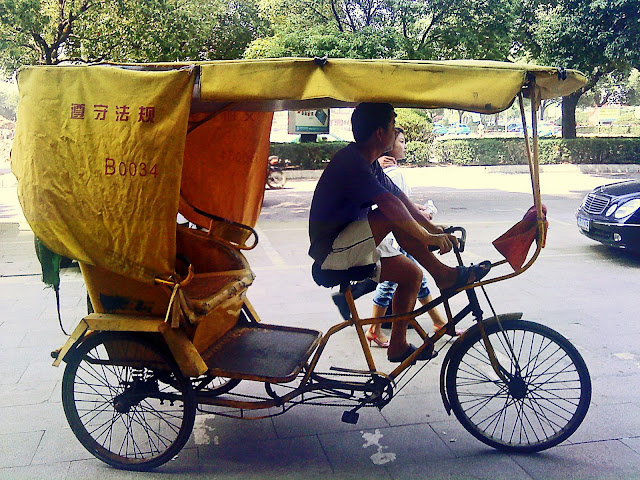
x=385, y=290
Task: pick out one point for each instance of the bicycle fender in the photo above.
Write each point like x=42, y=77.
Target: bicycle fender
x=454, y=347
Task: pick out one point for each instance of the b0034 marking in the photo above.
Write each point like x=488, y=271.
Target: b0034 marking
x=129, y=169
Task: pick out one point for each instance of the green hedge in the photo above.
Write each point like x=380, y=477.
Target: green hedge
x=511, y=151
x=307, y=156
x=480, y=151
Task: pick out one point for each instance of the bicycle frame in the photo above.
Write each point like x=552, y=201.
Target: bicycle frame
x=310, y=381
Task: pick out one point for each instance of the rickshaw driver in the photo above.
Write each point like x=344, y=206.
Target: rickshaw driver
x=345, y=231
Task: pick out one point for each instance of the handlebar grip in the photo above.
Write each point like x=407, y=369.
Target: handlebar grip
x=461, y=240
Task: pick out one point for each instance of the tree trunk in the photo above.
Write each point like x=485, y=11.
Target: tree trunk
x=569, y=115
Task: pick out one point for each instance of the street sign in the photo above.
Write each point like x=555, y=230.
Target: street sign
x=309, y=121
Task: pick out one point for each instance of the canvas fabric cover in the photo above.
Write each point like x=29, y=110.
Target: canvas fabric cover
x=98, y=155
x=280, y=84
x=105, y=190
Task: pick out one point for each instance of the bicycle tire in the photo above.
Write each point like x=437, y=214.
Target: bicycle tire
x=276, y=179
x=218, y=386
x=126, y=401
x=540, y=408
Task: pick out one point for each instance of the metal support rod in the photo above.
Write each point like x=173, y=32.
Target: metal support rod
x=361, y=336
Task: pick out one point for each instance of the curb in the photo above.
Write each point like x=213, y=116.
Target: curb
x=566, y=168
x=303, y=174
x=587, y=169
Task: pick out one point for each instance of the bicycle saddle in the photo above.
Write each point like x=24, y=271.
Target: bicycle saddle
x=331, y=278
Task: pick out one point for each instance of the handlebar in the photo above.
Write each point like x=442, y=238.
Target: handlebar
x=461, y=240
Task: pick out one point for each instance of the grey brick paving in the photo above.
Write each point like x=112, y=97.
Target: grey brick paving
x=412, y=437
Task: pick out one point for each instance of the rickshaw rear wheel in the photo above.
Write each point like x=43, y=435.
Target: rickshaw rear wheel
x=545, y=399
x=127, y=401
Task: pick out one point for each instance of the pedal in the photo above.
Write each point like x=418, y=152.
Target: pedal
x=349, y=416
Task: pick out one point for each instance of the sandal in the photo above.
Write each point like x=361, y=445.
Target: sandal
x=468, y=275
x=427, y=354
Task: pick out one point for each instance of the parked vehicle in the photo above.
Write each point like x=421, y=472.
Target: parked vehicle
x=459, y=129
x=439, y=129
x=610, y=214
x=544, y=129
x=275, y=176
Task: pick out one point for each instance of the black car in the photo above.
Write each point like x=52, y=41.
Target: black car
x=610, y=214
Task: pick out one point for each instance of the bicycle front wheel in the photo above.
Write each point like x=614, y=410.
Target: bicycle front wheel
x=546, y=395
x=127, y=401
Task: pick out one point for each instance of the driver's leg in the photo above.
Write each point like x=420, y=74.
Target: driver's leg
x=408, y=276
x=443, y=275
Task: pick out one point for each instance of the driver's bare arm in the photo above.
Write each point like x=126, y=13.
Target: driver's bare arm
x=394, y=209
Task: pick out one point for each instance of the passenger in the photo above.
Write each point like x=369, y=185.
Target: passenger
x=345, y=231
x=386, y=289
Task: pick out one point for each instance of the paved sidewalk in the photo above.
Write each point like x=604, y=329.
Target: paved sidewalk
x=411, y=438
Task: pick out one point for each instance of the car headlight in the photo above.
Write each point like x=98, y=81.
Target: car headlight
x=627, y=208
x=611, y=209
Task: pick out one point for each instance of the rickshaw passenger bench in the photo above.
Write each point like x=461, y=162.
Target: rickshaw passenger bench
x=216, y=297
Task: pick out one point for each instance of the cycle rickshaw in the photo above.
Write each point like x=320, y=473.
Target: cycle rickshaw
x=107, y=155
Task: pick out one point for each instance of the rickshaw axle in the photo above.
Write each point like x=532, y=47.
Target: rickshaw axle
x=518, y=388
x=134, y=393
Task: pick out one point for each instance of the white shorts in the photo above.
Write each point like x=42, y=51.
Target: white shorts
x=355, y=247
x=389, y=247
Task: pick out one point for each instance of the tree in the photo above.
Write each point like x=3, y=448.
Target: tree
x=598, y=37
x=50, y=31
x=416, y=124
x=437, y=29
x=162, y=30
x=36, y=32
x=614, y=88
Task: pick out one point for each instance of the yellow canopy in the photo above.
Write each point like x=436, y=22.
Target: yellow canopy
x=99, y=150
x=294, y=83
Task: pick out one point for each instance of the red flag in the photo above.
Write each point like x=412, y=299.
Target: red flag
x=514, y=244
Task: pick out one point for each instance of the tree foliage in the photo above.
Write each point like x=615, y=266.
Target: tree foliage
x=616, y=87
x=416, y=124
x=598, y=37
x=412, y=29
x=52, y=31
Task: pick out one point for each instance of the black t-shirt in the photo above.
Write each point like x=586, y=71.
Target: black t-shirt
x=344, y=194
